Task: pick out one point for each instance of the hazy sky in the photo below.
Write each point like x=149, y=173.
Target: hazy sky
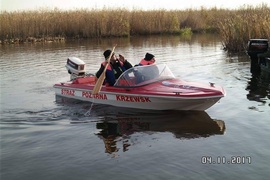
x=12, y=5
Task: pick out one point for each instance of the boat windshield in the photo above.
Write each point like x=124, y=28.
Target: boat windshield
x=142, y=75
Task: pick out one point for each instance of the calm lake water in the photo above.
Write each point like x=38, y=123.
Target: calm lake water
x=44, y=137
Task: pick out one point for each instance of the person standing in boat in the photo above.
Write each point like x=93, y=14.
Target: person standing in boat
x=115, y=69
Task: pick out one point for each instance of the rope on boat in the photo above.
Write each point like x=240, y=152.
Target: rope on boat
x=88, y=113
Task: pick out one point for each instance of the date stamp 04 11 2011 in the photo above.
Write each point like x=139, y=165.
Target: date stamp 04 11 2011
x=226, y=160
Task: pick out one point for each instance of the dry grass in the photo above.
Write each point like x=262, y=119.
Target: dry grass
x=98, y=23
x=234, y=26
x=237, y=27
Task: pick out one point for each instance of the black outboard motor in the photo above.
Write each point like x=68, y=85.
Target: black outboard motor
x=254, y=48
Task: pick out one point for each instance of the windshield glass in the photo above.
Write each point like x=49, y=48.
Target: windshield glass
x=142, y=75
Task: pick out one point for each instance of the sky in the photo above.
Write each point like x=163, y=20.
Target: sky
x=14, y=5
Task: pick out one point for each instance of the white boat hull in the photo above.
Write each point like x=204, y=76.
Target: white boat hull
x=136, y=101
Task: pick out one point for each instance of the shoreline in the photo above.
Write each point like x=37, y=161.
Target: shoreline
x=235, y=27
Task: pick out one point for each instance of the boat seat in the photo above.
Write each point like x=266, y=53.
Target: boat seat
x=85, y=80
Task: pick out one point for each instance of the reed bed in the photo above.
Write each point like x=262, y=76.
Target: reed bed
x=234, y=26
x=237, y=27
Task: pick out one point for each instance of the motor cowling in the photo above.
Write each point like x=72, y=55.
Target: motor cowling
x=75, y=67
x=257, y=46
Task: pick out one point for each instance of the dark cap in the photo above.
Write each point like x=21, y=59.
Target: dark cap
x=107, y=53
x=148, y=56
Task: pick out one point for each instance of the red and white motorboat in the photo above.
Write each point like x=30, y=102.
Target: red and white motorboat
x=142, y=87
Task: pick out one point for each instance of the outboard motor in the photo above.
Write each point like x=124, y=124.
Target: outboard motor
x=254, y=48
x=75, y=67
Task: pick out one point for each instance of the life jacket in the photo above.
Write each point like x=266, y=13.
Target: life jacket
x=143, y=62
x=110, y=67
x=112, y=74
x=120, y=69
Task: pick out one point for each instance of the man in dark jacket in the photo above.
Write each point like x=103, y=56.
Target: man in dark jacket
x=114, y=69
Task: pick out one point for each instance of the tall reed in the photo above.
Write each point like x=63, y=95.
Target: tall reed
x=237, y=27
x=97, y=23
x=234, y=26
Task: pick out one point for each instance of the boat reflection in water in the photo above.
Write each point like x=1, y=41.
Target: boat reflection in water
x=182, y=124
x=259, y=87
x=116, y=125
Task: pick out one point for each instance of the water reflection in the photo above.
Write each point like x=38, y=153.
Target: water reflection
x=259, y=87
x=117, y=125
x=182, y=124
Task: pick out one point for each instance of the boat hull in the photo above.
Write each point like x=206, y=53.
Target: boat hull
x=138, y=101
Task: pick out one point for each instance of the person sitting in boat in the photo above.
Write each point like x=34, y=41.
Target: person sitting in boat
x=147, y=60
x=115, y=69
x=151, y=73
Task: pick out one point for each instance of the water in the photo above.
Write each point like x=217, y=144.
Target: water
x=44, y=137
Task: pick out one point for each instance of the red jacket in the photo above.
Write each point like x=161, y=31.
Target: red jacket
x=144, y=62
